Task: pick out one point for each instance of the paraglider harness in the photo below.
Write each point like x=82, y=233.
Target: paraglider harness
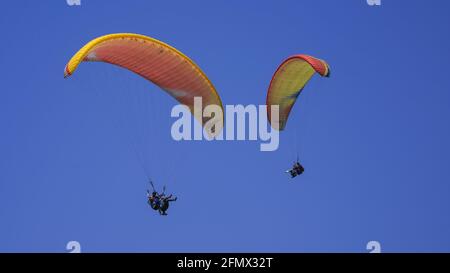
x=297, y=169
x=159, y=202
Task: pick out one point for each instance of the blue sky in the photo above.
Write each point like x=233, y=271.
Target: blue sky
x=373, y=138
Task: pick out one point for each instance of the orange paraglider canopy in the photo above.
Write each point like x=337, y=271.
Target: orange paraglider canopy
x=155, y=61
x=287, y=83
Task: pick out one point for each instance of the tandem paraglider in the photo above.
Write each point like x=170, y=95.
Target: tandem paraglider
x=297, y=169
x=160, y=64
x=159, y=201
x=287, y=83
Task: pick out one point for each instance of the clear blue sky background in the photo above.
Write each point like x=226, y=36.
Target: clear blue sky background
x=373, y=137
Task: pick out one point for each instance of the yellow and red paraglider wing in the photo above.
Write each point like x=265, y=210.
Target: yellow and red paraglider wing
x=287, y=83
x=154, y=60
